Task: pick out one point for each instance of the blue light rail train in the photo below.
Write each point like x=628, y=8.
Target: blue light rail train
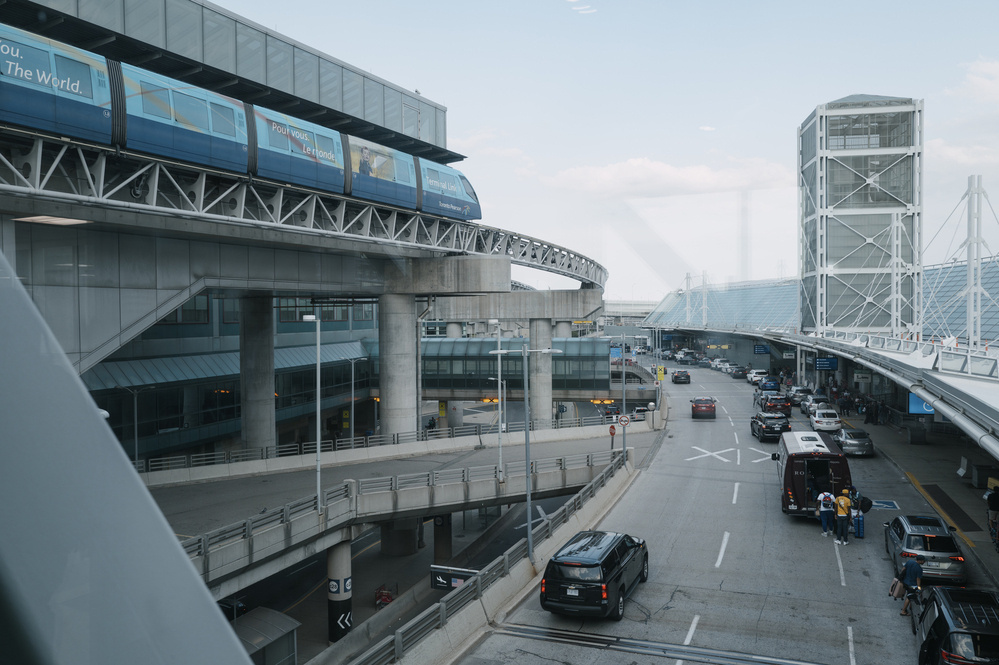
x=66, y=92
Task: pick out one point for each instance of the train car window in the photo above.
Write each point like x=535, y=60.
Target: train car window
x=302, y=142
x=223, y=120
x=74, y=77
x=433, y=179
x=448, y=184
x=190, y=111
x=326, y=149
x=155, y=100
x=26, y=63
x=468, y=188
x=277, y=136
x=402, y=170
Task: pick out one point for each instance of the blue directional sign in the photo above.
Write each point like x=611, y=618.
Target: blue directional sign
x=831, y=363
x=761, y=349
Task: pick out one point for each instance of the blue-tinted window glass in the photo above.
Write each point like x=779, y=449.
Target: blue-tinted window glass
x=25, y=63
x=74, y=77
x=190, y=111
x=155, y=100
x=302, y=142
x=223, y=120
x=278, y=136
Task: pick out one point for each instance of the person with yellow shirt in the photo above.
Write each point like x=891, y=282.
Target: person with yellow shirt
x=843, y=517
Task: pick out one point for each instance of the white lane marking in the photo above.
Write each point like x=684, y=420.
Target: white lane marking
x=708, y=453
x=735, y=493
x=690, y=634
x=726, y=411
x=731, y=422
x=762, y=452
x=738, y=457
x=721, y=553
x=839, y=562
x=849, y=638
x=736, y=438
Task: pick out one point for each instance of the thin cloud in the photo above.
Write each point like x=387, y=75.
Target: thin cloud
x=943, y=152
x=643, y=177
x=706, y=128
x=981, y=82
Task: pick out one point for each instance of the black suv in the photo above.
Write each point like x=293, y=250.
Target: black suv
x=765, y=424
x=958, y=625
x=681, y=376
x=593, y=573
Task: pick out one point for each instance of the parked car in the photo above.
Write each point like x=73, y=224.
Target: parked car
x=754, y=376
x=777, y=404
x=814, y=404
x=797, y=393
x=958, y=625
x=908, y=536
x=825, y=420
x=769, y=425
x=704, y=362
x=593, y=573
x=854, y=442
x=738, y=372
x=715, y=362
x=680, y=376
x=702, y=407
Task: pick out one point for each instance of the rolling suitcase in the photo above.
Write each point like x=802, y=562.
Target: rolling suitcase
x=858, y=525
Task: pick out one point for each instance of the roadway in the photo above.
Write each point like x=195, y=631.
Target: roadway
x=731, y=573
x=197, y=508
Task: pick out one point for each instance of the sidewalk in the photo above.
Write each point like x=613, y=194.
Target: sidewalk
x=932, y=468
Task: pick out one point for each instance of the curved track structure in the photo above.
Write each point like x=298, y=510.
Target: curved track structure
x=43, y=168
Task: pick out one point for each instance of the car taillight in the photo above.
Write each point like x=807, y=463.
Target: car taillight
x=908, y=555
x=542, y=585
x=957, y=558
x=954, y=659
x=603, y=591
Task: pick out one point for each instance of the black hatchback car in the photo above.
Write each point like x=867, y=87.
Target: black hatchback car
x=593, y=573
x=681, y=376
x=958, y=625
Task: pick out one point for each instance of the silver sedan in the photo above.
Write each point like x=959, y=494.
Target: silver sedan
x=854, y=441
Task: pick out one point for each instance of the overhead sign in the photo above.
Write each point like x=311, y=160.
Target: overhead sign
x=761, y=349
x=830, y=364
x=918, y=406
x=788, y=355
x=862, y=377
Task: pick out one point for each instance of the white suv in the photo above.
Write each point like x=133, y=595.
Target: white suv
x=754, y=375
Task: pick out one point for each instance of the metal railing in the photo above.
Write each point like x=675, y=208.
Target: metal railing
x=202, y=545
x=396, y=646
x=358, y=442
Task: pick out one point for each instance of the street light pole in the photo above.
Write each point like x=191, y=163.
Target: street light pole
x=319, y=408
x=352, y=361
x=499, y=389
x=135, y=417
x=528, y=480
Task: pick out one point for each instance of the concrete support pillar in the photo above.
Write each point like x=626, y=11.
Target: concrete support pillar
x=399, y=537
x=338, y=593
x=455, y=414
x=397, y=344
x=256, y=370
x=563, y=329
x=540, y=373
x=454, y=329
x=443, y=550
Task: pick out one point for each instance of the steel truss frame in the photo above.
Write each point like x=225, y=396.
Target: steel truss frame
x=72, y=172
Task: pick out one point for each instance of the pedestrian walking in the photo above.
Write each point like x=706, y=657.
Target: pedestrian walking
x=842, y=517
x=827, y=511
x=912, y=578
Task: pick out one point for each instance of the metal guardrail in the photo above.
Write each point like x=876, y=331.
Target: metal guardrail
x=396, y=646
x=203, y=544
x=369, y=441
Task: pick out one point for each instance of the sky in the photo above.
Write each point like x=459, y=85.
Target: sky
x=659, y=137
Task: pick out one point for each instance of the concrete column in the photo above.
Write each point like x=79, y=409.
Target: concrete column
x=397, y=344
x=454, y=329
x=399, y=537
x=540, y=373
x=338, y=591
x=563, y=329
x=256, y=370
x=443, y=550
x=455, y=414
